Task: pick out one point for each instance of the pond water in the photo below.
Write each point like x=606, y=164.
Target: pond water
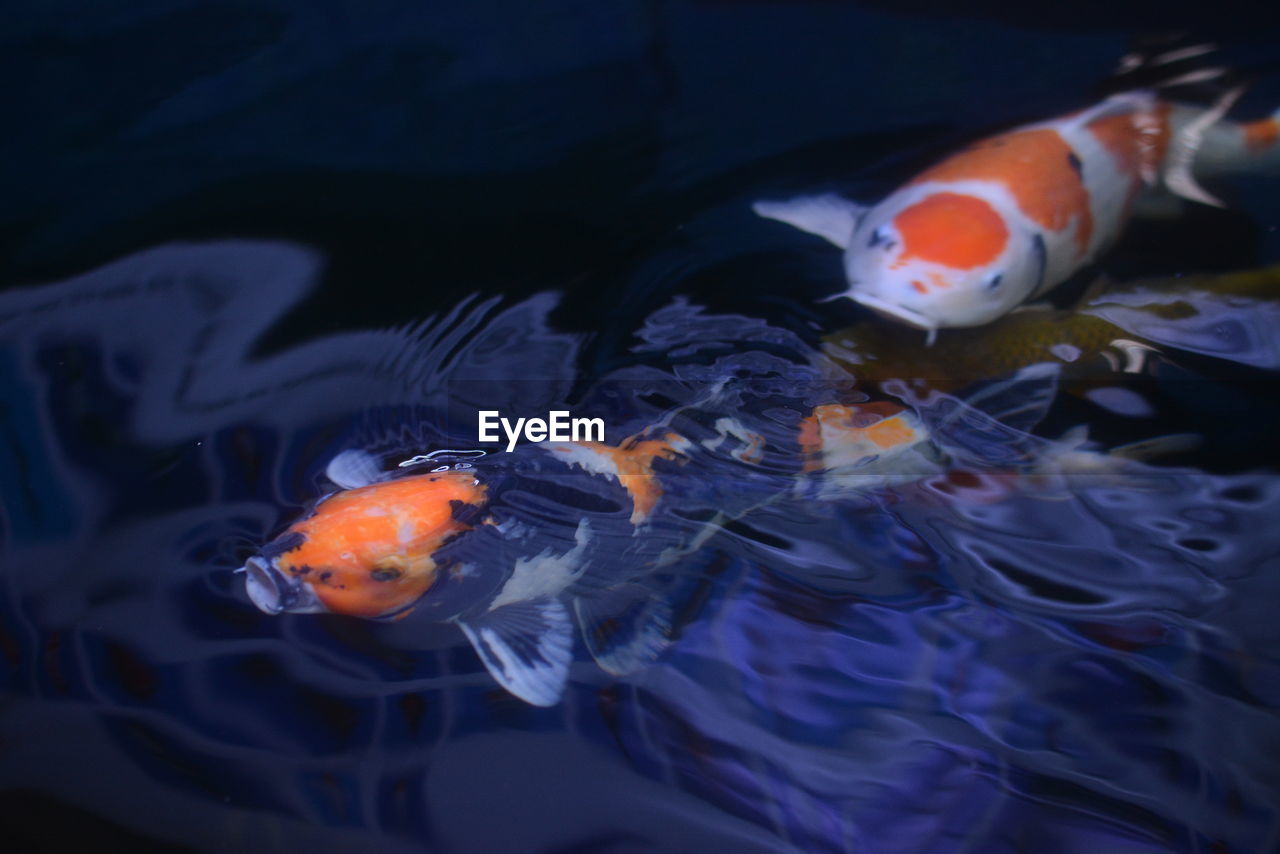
x=247, y=237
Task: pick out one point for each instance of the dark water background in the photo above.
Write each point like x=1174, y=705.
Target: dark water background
x=1091, y=671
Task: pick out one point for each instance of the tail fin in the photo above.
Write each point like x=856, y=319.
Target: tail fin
x=1194, y=77
x=1176, y=67
x=1185, y=147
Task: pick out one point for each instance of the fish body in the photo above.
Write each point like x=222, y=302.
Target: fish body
x=368, y=551
x=513, y=553
x=521, y=549
x=1010, y=217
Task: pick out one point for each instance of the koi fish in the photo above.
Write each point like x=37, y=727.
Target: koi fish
x=1012, y=216
x=460, y=545
x=516, y=549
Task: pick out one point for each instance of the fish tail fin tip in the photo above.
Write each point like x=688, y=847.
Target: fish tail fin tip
x=1185, y=145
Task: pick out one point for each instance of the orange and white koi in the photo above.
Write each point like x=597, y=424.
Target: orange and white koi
x=1010, y=217
x=446, y=545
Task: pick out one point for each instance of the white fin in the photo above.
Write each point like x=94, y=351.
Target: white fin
x=1182, y=151
x=526, y=647
x=352, y=469
x=625, y=626
x=829, y=216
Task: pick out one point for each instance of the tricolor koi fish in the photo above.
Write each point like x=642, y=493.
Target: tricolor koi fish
x=516, y=548
x=1012, y=216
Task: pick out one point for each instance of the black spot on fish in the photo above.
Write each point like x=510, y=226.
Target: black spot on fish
x=467, y=514
x=1075, y=164
x=326, y=575
x=385, y=573
x=281, y=545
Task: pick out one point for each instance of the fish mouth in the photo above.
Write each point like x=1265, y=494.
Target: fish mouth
x=894, y=311
x=275, y=593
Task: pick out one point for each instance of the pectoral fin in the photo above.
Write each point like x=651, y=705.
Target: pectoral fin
x=625, y=626
x=352, y=469
x=829, y=216
x=526, y=647
x=992, y=427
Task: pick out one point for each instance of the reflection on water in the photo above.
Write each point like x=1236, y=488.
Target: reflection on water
x=991, y=653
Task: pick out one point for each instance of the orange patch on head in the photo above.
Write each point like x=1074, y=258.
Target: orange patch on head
x=1035, y=166
x=959, y=231
x=368, y=551
x=1260, y=135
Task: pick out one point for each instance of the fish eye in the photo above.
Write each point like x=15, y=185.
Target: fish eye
x=880, y=237
x=385, y=573
x=994, y=280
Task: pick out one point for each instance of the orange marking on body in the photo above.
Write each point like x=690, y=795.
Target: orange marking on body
x=754, y=451
x=919, y=287
x=833, y=425
x=889, y=432
x=633, y=458
x=1260, y=135
x=1035, y=167
x=810, y=438
x=959, y=231
x=938, y=280
x=368, y=551
x=1138, y=143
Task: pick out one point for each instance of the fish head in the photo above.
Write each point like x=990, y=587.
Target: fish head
x=366, y=552
x=933, y=259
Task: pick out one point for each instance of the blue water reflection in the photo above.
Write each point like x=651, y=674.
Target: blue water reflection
x=973, y=660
